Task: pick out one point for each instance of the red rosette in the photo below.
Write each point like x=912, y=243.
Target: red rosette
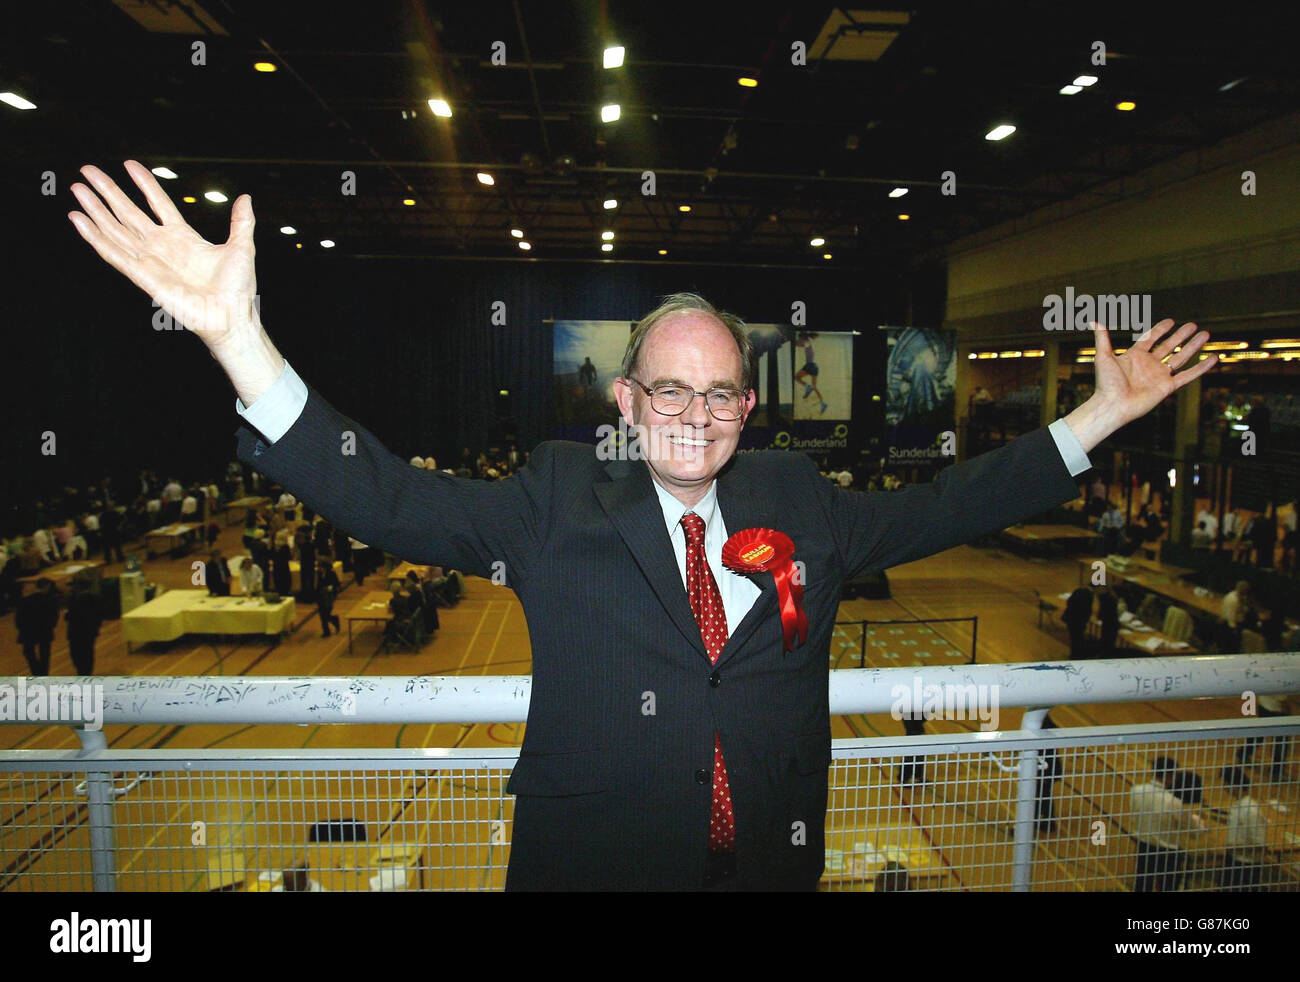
x=768, y=551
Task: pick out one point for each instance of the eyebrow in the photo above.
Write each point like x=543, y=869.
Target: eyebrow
x=715, y=384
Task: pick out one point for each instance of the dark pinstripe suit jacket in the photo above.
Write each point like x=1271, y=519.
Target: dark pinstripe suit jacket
x=612, y=784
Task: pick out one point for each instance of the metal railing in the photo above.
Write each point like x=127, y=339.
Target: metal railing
x=971, y=809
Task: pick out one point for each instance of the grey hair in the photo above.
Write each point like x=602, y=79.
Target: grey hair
x=682, y=303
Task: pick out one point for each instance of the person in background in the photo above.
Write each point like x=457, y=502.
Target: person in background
x=1268, y=705
x=190, y=507
x=1077, y=615
x=1246, y=841
x=1236, y=607
x=83, y=618
x=327, y=590
x=1202, y=537
x=37, y=616
x=250, y=577
x=281, y=576
x=1160, y=823
x=216, y=574
x=110, y=528
x=422, y=591
x=305, y=547
x=40, y=538
x=90, y=528
x=417, y=462
x=1211, y=523
x=287, y=505
x=261, y=551
x=1263, y=537
x=1108, y=614
x=1111, y=527
x=1049, y=769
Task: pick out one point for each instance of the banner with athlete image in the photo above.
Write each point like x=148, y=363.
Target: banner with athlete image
x=920, y=402
x=588, y=356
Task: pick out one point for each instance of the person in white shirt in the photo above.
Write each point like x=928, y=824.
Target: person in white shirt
x=1160, y=824
x=287, y=504
x=1211, y=523
x=1235, y=605
x=250, y=577
x=1247, y=842
x=44, y=545
x=417, y=462
x=189, y=508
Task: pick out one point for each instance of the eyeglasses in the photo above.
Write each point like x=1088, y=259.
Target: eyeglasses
x=671, y=399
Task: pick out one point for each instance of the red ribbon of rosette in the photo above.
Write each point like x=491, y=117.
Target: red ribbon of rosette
x=768, y=551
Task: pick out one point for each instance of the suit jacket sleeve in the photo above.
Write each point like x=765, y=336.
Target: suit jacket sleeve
x=423, y=516
x=875, y=531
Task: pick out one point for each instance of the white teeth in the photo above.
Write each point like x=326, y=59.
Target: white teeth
x=686, y=440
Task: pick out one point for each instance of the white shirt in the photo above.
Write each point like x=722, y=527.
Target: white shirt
x=1247, y=828
x=172, y=492
x=250, y=577
x=287, y=500
x=190, y=506
x=1159, y=818
x=1211, y=523
x=1231, y=609
x=738, y=592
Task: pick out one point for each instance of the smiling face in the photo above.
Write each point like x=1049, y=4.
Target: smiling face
x=686, y=452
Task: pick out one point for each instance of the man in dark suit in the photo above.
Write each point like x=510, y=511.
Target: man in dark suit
x=673, y=741
x=216, y=574
x=37, y=615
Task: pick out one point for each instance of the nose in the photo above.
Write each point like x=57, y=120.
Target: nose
x=697, y=414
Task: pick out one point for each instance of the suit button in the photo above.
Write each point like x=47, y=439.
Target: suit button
x=715, y=679
x=701, y=776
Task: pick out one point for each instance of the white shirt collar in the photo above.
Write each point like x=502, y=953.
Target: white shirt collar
x=674, y=510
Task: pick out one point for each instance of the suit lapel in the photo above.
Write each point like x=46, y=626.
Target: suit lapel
x=745, y=506
x=630, y=501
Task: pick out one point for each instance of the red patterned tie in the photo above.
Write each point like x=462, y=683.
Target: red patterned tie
x=706, y=604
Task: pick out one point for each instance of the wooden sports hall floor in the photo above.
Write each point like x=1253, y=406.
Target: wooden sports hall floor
x=954, y=830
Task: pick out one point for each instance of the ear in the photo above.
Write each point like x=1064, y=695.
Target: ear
x=751, y=400
x=625, y=397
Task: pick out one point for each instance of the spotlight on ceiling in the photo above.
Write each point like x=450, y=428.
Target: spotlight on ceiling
x=610, y=113
x=164, y=172
x=440, y=108
x=816, y=241
x=216, y=197
x=614, y=56
x=485, y=178
x=1000, y=132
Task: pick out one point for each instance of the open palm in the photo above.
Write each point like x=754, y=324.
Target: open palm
x=1134, y=383
x=208, y=288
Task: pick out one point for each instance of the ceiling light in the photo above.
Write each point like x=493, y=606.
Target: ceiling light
x=164, y=172
x=1225, y=345
x=327, y=243
x=1071, y=89
x=614, y=56
x=607, y=247
x=611, y=204
x=683, y=208
x=15, y=100
x=985, y=355
x=408, y=202
x=972, y=356
x=1126, y=106
x=663, y=252
x=288, y=230
x=904, y=218
x=1009, y=354
x=263, y=66
x=1000, y=132
x=1282, y=343
x=1083, y=81
x=607, y=235
x=827, y=255
x=898, y=192
x=485, y=178
x=610, y=113
x=440, y=108
x=816, y=241
x=297, y=245
x=518, y=233
x=216, y=197
x=189, y=199
x=1034, y=353
x=747, y=82
x=525, y=246
x=1083, y=360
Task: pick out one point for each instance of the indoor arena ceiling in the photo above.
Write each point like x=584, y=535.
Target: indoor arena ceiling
x=888, y=98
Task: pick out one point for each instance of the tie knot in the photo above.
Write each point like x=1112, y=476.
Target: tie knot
x=693, y=525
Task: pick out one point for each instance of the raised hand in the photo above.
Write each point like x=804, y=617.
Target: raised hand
x=1132, y=384
x=208, y=288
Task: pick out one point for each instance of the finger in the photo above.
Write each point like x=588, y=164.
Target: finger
x=104, y=219
x=1101, y=338
x=1195, y=372
x=153, y=193
x=241, y=219
x=1155, y=334
x=1168, y=345
x=124, y=262
x=1189, y=351
x=123, y=207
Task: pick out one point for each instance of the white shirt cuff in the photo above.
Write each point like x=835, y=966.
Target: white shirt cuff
x=278, y=408
x=1072, y=452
